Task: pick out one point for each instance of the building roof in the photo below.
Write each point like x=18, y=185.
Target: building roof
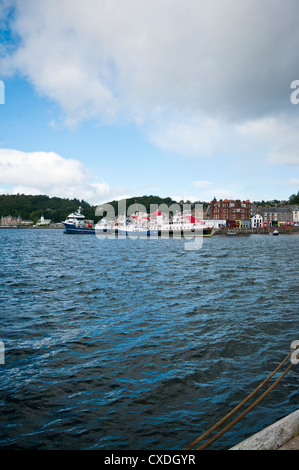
x=275, y=209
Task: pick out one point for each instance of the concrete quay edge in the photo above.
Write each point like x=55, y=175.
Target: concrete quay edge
x=282, y=435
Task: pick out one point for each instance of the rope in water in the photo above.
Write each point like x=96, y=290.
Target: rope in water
x=237, y=419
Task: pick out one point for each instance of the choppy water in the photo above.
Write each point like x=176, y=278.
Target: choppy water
x=140, y=344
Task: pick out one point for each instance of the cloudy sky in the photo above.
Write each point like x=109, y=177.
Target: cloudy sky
x=118, y=98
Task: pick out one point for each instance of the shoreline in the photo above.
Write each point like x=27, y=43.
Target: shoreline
x=289, y=230
x=283, y=230
x=29, y=228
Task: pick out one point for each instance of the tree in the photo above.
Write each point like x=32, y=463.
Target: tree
x=294, y=198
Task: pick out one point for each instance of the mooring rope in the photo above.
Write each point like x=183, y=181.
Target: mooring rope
x=238, y=418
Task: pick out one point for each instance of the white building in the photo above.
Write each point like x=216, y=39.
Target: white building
x=256, y=221
x=215, y=223
x=295, y=212
x=43, y=221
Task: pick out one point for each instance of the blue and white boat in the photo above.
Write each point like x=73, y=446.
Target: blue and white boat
x=75, y=223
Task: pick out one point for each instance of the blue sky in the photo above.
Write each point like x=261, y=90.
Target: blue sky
x=107, y=99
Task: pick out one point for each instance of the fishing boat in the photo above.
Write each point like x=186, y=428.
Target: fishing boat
x=75, y=223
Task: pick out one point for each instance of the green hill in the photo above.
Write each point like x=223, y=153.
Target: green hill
x=149, y=202
x=57, y=209
x=33, y=207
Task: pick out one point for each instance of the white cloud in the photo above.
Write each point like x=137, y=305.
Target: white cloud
x=185, y=197
x=202, y=184
x=277, y=135
x=284, y=157
x=199, y=78
x=49, y=173
x=191, y=137
x=224, y=193
x=206, y=191
x=24, y=190
x=293, y=182
x=221, y=193
x=187, y=71
x=39, y=169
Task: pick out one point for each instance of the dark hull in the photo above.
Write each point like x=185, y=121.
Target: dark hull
x=71, y=229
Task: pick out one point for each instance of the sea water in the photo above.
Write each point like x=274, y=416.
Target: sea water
x=141, y=344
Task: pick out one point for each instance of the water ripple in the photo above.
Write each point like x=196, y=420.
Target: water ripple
x=122, y=344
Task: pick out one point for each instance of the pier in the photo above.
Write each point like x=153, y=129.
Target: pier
x=282, y=435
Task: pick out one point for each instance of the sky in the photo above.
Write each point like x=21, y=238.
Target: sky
x=110, y=99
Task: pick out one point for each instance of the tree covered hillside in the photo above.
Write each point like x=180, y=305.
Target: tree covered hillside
x=33, y=207
x=149, y=202
x=57, y=209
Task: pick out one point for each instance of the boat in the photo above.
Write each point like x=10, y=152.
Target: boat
x=184, y=225
x=275, y=233
x=75, y=223
x=231, y=233
x=184, y=232
x=136, y=231
x=138, y=225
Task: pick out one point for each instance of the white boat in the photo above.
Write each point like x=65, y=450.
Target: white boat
x=183, y=224
x=275, y=233
x=137, y=231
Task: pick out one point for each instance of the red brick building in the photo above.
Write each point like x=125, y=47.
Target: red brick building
x=229, y=210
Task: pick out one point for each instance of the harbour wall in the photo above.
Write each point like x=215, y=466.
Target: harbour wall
x=282, y=435
x=262, y=230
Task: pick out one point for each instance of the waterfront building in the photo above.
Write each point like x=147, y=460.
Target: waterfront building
x=10, y=221
x=295, y=212
x=43, y=221
x=243, y=223
x=27, y=222
x=216, y=224
x=228, y=209
x=276, y=216
x=256, y=221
